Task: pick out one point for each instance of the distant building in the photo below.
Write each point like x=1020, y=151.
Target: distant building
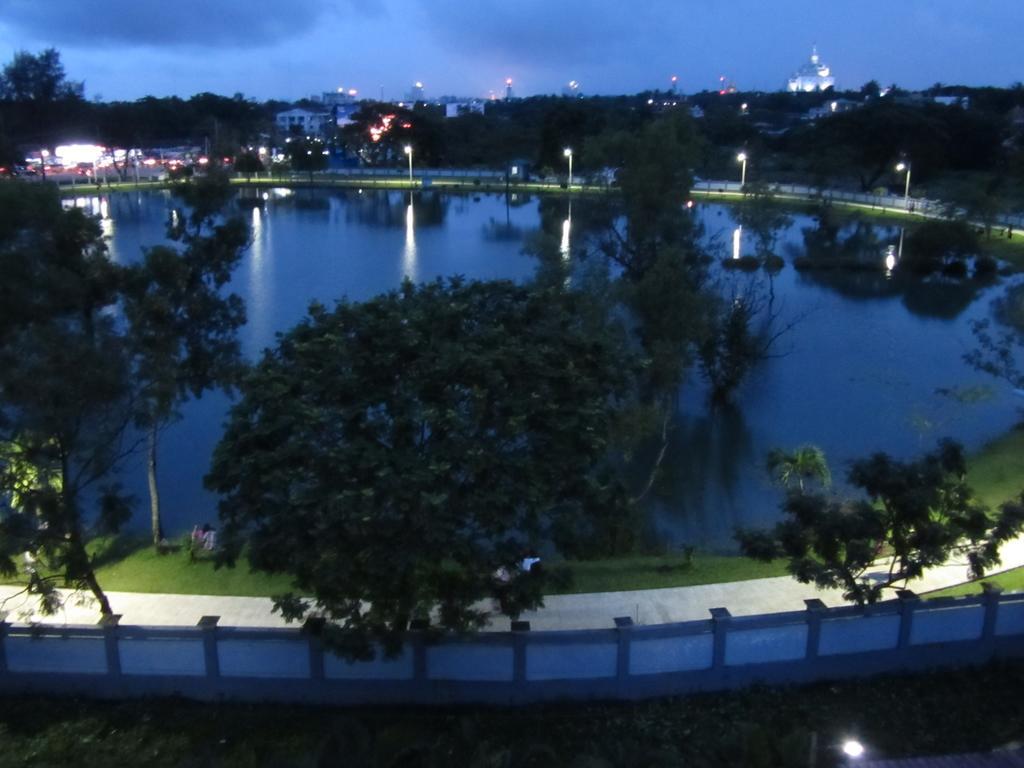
x=303, y=121
x=416, y=93
x=456, y=108
x=340, y=97
x=831, y=108
x=964, y=102
x=508, y=89
x=815, y=75
x=572, y=89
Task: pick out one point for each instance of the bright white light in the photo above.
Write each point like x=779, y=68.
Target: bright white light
x=901, y=166
x=72, y=154
x=567, y=152
x=737, y=238
x=853, y=748
x=741, y=157
x=419, y=84
x=408, y=149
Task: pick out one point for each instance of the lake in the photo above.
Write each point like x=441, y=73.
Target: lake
x=873, y=362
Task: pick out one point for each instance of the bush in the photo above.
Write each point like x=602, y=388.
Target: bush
x=936, y=245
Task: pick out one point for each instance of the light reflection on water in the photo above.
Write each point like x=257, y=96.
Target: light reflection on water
x=870, y=364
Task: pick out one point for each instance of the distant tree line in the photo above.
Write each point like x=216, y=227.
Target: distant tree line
x=858, y=145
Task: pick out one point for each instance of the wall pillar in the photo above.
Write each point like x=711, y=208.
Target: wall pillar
x=815, y=609
x=990, y=599
x=418, y=629
x=720, y=618
x=624, y=631
x=313, y=629
x=4, y=626
x=520, y=637
x=209, y=626
x=908, y=603
x=110, y=643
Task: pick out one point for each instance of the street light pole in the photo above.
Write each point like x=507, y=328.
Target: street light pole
x=568, y=154
x=408, y=151
x=906, y=190
x=742, y=157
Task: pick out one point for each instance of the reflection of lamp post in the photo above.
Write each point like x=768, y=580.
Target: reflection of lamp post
x=408, y=151
x=568, y=153
x=906, y=191
x=742, y=158
x=43, y=154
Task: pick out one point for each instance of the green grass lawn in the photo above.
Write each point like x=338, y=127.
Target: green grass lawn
x=996, y=474
x=655, y=572
x=132, y=565
x=1010, y=581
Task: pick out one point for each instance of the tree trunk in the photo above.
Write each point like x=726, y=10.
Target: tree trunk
x=97, y=592
x=154, y=493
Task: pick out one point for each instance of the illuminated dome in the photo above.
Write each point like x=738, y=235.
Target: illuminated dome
x=815, y=75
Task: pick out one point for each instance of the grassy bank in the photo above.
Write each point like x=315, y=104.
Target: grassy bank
x=132, y=565
x=945, y=712
x=997, y=475
x=1009, y=581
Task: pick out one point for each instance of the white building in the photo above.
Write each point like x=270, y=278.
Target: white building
x=303, y=121
x=815, y=75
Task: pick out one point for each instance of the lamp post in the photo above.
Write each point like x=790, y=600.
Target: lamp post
x=906, y=191
x=43, y=154
x=742, y=158
x=568, y=153
x=408, y=151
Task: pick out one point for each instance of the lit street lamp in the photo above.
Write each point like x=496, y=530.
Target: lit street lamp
x=906, y=192
x=408, y=151
x=742, y=158
x=568, y=153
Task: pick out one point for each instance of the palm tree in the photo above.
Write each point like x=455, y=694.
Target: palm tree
x=804, y=464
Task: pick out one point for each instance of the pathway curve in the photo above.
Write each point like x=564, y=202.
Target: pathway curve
x=585, y=611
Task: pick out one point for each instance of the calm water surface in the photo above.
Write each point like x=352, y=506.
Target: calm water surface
x=871, y=363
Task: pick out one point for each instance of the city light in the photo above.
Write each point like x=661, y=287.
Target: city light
x=568, y=153
x=853, y=748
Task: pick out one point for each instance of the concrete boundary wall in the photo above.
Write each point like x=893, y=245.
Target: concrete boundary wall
x=622, y=662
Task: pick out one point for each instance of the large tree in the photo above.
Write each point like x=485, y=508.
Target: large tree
x=394, y=455
x=182, y=325
x=37, y=78
x=66, y=403
x=913, y=515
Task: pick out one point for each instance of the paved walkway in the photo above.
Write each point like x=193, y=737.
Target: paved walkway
x=586, y=611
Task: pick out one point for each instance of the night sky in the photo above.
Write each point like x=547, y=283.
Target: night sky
x=125, y=49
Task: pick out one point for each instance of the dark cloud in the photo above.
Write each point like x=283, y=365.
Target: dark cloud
x=560, y=32
x=174, y=23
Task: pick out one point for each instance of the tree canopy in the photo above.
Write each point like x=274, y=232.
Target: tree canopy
x=66, y=401
x=182, y=328
x=37, y=77
x=913, y=515
x=394, y=455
